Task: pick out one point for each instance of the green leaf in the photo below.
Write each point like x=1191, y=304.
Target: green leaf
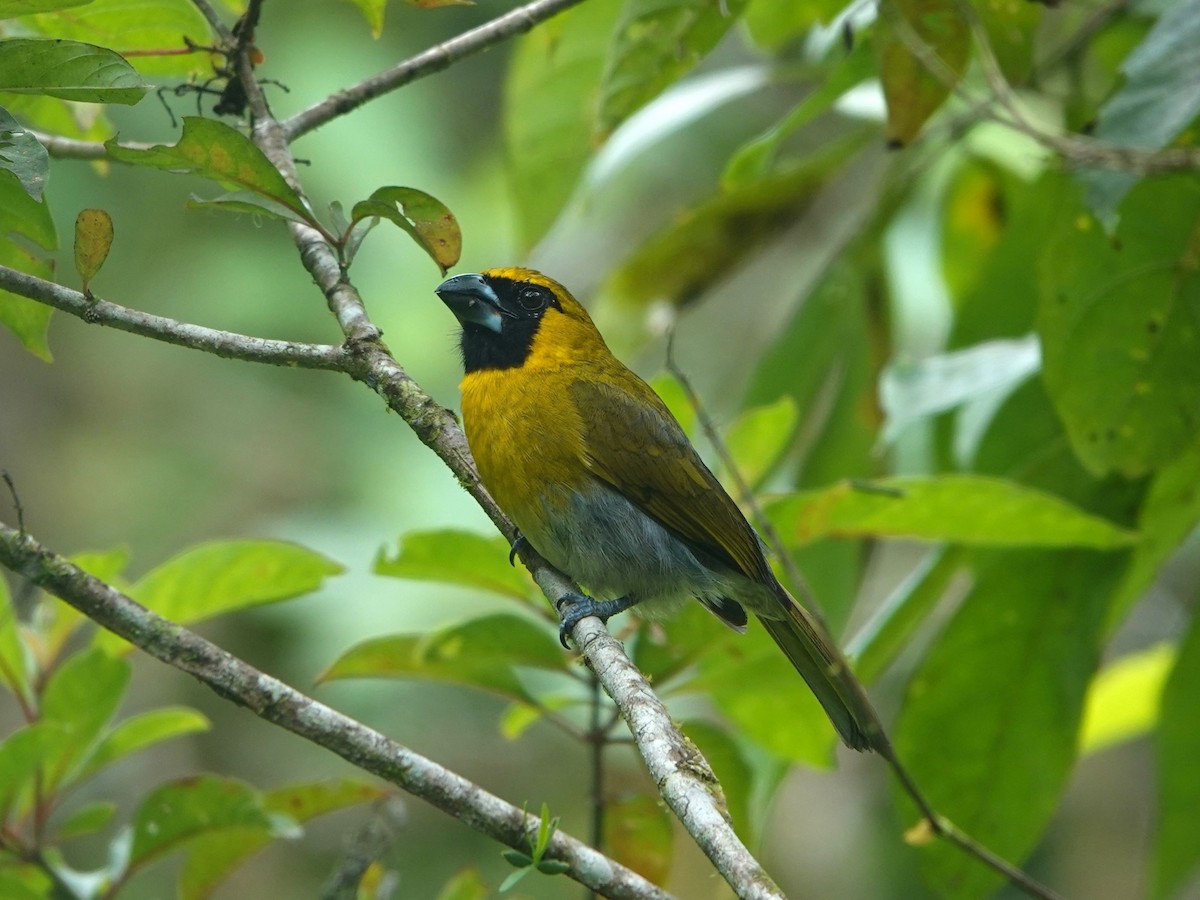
x=757, y=689
x=1177, y=853
x=84, y=821
x=1168, y=515
x=656, y=42
x=210, y=579
x=456, y=557
x=760, y=436
x=82, y=696
x=213, y=150
x=424, y=218
x=247, y=203
x=140, y=25
x=482, y=653
x=1158, y=98
x=187, y=809
x=1120, y=326
x=93, y=238
x=550, y=99
x=1003, y=684
x=68, y=70
x=141, y=731
x=22, y=754
x=213, y=857
x=1123, y=698
x=639, y=833
x=466, y=885
x=23, y=155
x=753, y=161
x=372, y=11
x=9, y=8
x=968, y=509
x=14, y=668
x=25, y=318
x=25, y=882
x=1011, y=28
x=886, y=634
x=773, y=25
x=910, y=34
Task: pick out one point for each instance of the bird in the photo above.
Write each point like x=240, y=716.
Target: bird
x=600, y=479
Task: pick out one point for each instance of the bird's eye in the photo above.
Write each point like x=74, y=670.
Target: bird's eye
x=532, y=299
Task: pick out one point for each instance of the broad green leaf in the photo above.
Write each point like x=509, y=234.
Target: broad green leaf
x=25, y=318
x=639, y=833
x=210, y=579
x=665, y=650
x=773, y=25
x=456, y=557
x=139, y=25
x=704, y=243
x=82, y=696
x=22, y=755
x=1120, y=326
x=760, y=436
x=1177, y=852
x=754, y=160
x=23, y=155
x=25, y=882
x=655, y=43
x=734, y=771
x=93, y=239
x=187, y=809
x=84, y=821
x=911, y=35
x=1170, y=512
x=61, y=621
x=466, y=885
x=141, y=731
x=1123, y=698
x=967, y=509
x=212, y=857
x=68, y=70
x=483, y=653
x=20, y=213
x=1158, y=98
x=213, y=150
x=61, y=117
x=9, y=8
x=886, y=634
x=424, y=218
x=1003, y=685
x=550, y=105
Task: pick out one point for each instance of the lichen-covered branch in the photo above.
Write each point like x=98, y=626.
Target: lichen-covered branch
x=276, y=702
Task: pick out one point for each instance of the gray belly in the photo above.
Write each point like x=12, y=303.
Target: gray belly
x=613, y=549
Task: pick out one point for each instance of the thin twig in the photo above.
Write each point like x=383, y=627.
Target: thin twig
x=228, y=344
x=367, y=845
x=276, y=702
x=745, y=494
x=436, y=58
x=214, y=20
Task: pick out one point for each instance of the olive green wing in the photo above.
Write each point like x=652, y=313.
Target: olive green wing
x=633, y=443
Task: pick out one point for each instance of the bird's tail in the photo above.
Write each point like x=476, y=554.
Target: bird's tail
x=805, y=642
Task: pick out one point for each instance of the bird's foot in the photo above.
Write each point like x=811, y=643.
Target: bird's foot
x=573, y=607
x=518, y=544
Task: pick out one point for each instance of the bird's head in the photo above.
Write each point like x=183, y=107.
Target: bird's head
x=516, y=317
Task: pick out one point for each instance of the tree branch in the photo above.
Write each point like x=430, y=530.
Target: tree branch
x=228, y=344
x=278, y=703
x=436, y=58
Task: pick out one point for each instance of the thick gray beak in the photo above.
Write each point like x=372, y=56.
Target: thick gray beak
x=471, y=299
